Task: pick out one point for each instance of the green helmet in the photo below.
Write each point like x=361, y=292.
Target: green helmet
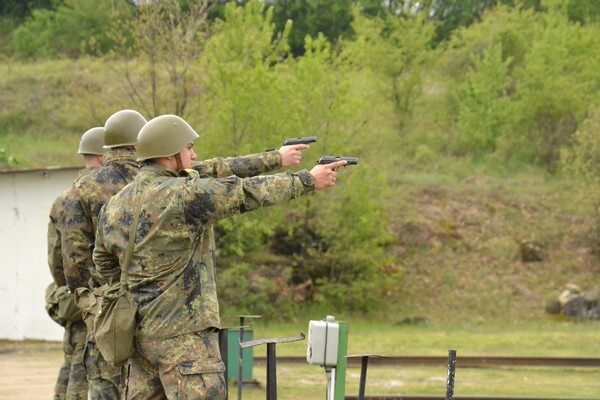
x=164, y=136
x=122, y=128
x=91, y=142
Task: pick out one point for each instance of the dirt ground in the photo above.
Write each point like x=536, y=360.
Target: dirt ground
x=28, y=370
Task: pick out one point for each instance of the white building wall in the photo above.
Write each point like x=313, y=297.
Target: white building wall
x=25, y=200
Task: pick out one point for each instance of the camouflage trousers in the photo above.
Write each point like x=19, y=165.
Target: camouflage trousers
x=72, y=382
x=104, y=379
x=186, y=367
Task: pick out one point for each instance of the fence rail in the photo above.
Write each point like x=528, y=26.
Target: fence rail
x=461, y=362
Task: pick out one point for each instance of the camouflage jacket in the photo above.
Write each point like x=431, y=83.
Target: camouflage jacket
x=172, y=271
x=81, y=208
x=55, y=256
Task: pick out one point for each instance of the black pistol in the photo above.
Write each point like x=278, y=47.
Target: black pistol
x=331, y=159
x=300, y=140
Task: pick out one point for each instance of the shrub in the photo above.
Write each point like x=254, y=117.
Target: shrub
x=74, y=28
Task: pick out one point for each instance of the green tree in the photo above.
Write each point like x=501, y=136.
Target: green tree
x=453, y=14
x=74, y=28
x=19, y=9
x=256, y=95
x=395, y=48
x=581, y=159
x=483, y=104
x=309, y=18
x=555, y=86
x=155, y=55
x=583, y=11
x=240, y=82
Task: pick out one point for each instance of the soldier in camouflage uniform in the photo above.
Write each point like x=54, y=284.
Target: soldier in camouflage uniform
x=82, y=206
x=72, y=382
x=172, y=271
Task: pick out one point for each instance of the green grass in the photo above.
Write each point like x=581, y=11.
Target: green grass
x=34, y=150
x=309, y=382
x=47, y=105
x=549, y=338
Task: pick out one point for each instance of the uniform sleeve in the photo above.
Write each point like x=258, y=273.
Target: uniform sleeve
x=77, y=240
x=244, y=166
x=106, y=264
x=208, y=200
x=55, y=261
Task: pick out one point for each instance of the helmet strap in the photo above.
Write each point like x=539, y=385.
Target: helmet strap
x=178, y=161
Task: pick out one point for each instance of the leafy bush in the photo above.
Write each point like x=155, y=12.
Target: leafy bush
x=582, y=160
x=483, y=104
x=7, y=160
x=74, y=28
x=583, y=11
x=523, y=94
x=395, y=48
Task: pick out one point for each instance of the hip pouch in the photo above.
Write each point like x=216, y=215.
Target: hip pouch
x=114, y=325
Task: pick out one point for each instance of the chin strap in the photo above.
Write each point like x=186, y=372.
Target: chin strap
x=178, y=161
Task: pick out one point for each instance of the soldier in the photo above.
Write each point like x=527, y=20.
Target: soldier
x=82, y=206
x=171, y=275
x=72, y=383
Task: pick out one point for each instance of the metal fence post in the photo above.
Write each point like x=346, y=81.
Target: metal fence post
x=451, y=370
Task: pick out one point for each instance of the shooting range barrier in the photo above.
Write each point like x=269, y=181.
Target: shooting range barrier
x=327, y=347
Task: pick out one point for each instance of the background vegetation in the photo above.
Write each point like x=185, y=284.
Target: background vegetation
x=463, y=114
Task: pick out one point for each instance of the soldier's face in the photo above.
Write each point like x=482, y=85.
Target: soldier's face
x=188, y=156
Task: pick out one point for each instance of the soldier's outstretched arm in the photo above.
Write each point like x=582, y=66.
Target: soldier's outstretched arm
x=212, y=199
x=253, y=164
x=208, y=200
x=243, y=166
x=77, y=240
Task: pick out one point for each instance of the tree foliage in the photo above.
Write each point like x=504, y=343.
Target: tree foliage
x=395, y=48
x=170, y=41
x=256, y=95
x=311, y=18
x=582, y=160
x=19, y=9
x=72, y=29
x=583, y=11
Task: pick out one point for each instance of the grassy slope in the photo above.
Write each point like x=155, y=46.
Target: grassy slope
x=459, y=245
x=455, y=225
x=45, y=107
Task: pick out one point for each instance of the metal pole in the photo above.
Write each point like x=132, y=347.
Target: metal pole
x=271, y=372
x=271, y=360
x=451, y=370
x=241, y=361
x=363, y=377
x=224, y=355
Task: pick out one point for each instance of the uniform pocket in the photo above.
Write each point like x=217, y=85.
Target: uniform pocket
x=201, y=379
x=90, y=361
x=200, y=367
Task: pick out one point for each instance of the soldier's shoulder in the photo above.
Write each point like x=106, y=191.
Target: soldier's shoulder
x=188, y=173
x=58, y=204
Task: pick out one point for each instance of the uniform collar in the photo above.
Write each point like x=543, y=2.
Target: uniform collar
x=158, y=170
x=119, y=155
x=84, y=172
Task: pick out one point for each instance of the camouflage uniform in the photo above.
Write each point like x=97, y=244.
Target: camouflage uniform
x=82, y=206
x=71, y=383
x=171, y=275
